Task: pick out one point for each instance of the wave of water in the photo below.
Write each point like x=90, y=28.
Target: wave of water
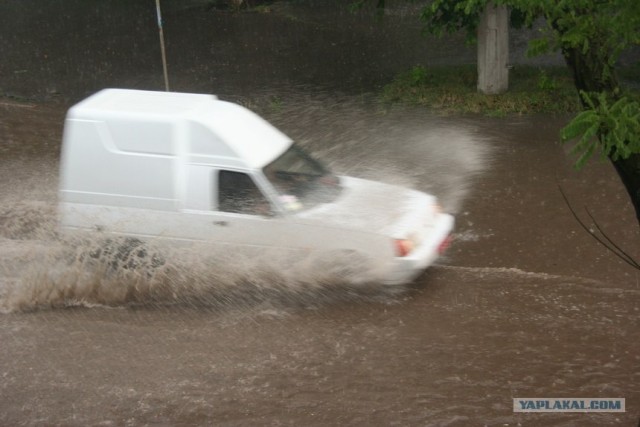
x=108, y=271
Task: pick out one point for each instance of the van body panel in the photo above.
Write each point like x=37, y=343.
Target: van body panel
x=222, y=228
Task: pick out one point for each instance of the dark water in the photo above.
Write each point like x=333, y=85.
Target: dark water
x=525, y=304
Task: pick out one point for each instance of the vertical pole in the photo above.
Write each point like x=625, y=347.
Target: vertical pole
x=164, y=55
x=493, y=50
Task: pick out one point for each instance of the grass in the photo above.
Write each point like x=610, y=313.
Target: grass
x=452, y=89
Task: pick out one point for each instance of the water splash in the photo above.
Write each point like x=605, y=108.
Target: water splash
x=120, y=271
x=399, y=145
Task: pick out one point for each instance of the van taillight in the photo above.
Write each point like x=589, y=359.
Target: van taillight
x=403, y=247
x=444, y=245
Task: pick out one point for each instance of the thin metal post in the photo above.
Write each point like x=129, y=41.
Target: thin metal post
x=164, y=55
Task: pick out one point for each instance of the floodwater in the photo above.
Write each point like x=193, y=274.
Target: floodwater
x=525, y=303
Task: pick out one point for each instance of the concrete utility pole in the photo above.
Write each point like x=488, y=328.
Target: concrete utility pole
x=493, y=50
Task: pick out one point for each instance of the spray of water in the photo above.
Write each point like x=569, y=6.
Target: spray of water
x=398, y=145
x=120, y=271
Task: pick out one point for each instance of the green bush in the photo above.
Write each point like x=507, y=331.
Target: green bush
x=453, y=89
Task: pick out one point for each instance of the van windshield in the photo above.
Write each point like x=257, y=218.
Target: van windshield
x=301, y=181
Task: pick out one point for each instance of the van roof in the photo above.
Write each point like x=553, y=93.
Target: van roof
x=142, y=101
x=254, y=141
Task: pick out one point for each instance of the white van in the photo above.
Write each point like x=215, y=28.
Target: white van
x=189, y=167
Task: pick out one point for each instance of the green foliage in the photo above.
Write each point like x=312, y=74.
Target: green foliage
x=611, y=126
x=609, y=26
x=359, y=4
x=453, y=89
x=592, y=34
x=259, y=6
x=546, y=82
x=447, y=16
x=538, y=47
x=417, y=76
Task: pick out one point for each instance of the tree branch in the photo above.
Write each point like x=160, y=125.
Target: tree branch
x=609, y=244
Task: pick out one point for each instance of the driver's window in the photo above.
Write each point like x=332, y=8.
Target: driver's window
x=237, y=193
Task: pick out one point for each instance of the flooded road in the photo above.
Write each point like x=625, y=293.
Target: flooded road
x=525, y=303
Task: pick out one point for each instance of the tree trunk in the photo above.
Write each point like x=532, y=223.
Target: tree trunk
x=589, y=72
x=493, y=50
x=629, y=171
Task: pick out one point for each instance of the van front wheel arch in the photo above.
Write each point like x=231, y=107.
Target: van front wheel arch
x=347, y=265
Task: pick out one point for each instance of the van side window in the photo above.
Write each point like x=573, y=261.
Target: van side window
x=237, y=193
